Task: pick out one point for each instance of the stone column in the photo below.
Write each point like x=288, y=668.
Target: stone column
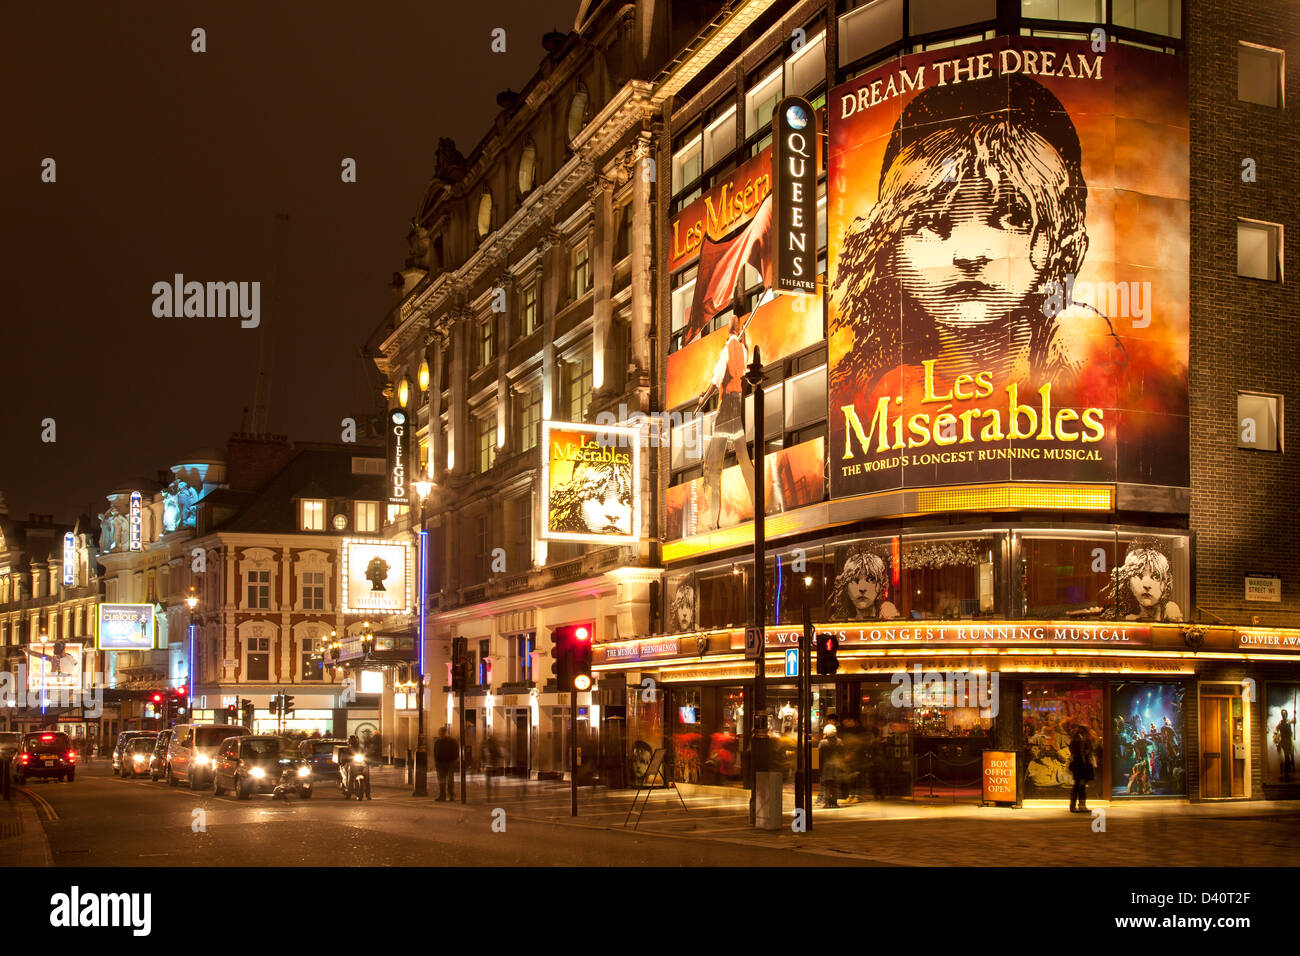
x=601, y=252
x=504, y=330
x=457, y=427
x=641, y=246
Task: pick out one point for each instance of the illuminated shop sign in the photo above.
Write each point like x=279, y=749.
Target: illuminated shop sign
x=377, y=576
x=53, y=666
x=1117, y=634
x=1008, y=268
x=642, y=650
x=137, y=522
x=589, y=482
x=126, y=627
x=794, y=212
x=69, y=559
x=398, y=447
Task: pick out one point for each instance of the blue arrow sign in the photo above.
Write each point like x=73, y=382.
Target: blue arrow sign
x=792, y=662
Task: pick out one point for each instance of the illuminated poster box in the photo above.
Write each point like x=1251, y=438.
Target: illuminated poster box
x=126, y=627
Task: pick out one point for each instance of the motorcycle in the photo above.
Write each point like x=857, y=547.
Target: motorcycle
x=354, y=776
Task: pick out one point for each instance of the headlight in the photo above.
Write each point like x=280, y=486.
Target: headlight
x=258, y=772
x=358, y=758
x=138, y=758
x=202, y=760
x=304, y=771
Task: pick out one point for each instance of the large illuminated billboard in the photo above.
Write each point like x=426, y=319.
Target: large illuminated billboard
x=126, y=627
x=53, y=665
x=1008, y=268
x=589, y=482
x=377, y=576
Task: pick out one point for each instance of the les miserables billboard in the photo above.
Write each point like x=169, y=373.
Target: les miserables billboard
x=1008, y=268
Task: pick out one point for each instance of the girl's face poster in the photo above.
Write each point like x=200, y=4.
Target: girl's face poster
x=1008, y=268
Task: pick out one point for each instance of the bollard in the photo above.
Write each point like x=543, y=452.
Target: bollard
x=6, y=786
x=410, y=769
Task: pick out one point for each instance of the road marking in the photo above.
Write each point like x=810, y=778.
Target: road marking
x=41, y=804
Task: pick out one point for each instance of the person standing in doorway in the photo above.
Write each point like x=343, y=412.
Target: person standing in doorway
x=1080, y=768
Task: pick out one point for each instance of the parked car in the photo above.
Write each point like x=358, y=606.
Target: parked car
x=135, y=759
x=123, y=739
x=319, y=754
x=261, y=764
x=192, y=747
x=47, y=753
x=158, y=759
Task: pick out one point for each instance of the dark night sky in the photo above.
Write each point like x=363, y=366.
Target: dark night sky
x=172, y=161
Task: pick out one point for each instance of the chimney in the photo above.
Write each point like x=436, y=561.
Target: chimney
x=253, y=460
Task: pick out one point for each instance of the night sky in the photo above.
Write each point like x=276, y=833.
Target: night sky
x=170, y=161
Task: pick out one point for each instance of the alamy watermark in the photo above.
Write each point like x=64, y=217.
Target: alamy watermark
x=15, y=692
x=945, y=689
x=1115, y=300
x=209, y=300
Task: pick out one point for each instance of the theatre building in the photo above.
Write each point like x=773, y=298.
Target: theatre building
x=1024, y=444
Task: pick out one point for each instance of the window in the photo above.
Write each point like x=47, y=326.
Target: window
x=530, y=315
x=482, y=546
x=484, y=652
x=259, y=590
x=577, y=112
x=1259, y=250
x=1150, y=16
x=484, y=214
x=528, y=419
x=520, y=665
x=527, y=169
x=313, y=591
x=687, y=163
x=805, y=70
x=312, y=668
x=579, y=271
x=258, y=659
x=485, y=428
x=367, y=517
x=930, y=16
x=1080, y=11
x=720, y=138
x=1260, y=70
x=682, y=297
x=1259, y=421
x=577, y=386
x=313, y=514
x=622, y=231
x=869, y=28
x=484, y=343
x=760, y=100
x=367, y=466
x=805, y=399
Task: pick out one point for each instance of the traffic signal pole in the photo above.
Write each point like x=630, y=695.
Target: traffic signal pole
x=573, y=753
x=803, y=779
x=757, y=716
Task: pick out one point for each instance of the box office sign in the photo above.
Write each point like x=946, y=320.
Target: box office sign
x=1000, y=782
x=126, y=627
x=377, y=577
x=893, y=635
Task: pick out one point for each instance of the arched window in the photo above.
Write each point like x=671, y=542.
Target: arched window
x=577, y=112
x=484, y=214
x=527, y=169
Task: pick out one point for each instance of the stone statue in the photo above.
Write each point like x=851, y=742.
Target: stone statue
x=171, y=508
x=107, y=540
x=189, y=501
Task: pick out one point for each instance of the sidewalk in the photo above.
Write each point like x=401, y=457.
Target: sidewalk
x=22, y=835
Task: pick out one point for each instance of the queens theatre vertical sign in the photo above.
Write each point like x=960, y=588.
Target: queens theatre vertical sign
x=398, y=441
x=794, y=215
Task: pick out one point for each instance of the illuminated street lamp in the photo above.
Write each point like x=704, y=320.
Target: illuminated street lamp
x=191, y=602
x=423, y=488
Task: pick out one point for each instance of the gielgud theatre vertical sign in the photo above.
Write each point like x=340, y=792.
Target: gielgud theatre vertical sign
x=1008, y=262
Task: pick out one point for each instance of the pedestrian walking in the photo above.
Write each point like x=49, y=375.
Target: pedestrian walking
x=493, y=761
x=830, y=757
x=445, y=753
x=1080, y=768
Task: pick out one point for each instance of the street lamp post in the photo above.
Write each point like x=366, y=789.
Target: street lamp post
x=191, y=602
x=423, y=488
x=758, y=741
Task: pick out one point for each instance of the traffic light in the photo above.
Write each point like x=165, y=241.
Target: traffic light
x=275, y=703
x=172, y=705
x=582, y=659
x=828, y=647
x=286, y=704
x=246, y=711
x=180, y=703
x=571, y=657
x=230, y=713
x=459, y=663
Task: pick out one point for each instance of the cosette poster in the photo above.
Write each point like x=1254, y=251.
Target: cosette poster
x=1008, y=268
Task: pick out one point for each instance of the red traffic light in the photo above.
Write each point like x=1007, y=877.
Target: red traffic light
x=157, y=698
x=581, y=633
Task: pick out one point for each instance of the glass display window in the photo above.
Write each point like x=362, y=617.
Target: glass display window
x=950, y=578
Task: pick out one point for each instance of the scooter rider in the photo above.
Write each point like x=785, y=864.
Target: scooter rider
x=358, y=749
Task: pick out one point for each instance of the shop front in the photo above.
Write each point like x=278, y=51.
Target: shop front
x=1171, y=711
